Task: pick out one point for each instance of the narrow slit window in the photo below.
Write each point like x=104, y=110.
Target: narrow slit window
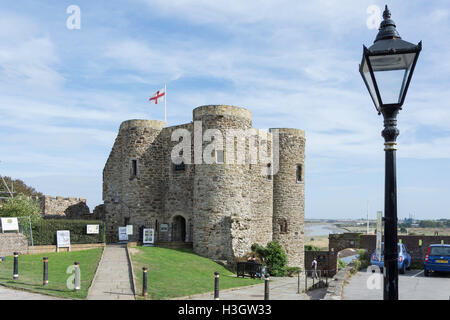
x=299, y=173
x=134, y=168
x=219, y=157
x=180, y=167
x=269, y=171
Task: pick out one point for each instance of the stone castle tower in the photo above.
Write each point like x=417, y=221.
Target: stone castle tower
x=223, y=207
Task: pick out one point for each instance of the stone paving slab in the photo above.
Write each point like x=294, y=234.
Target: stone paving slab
x=12, y=294
x=279, y=289
x=113, y=278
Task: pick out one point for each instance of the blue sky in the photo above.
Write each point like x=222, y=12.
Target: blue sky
x=64, y=93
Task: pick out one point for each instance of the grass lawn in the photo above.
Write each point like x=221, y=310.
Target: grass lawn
x=31, y=272
x=176, y=273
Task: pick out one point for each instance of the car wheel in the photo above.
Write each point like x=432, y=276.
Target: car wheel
x=402, y=270
x=409, y=266
x=426, y=273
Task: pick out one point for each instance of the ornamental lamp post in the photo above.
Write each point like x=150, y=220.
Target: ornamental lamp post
x=387, y=68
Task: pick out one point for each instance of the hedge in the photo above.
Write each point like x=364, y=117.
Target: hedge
x=44, y=231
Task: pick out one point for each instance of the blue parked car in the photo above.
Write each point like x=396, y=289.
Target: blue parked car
x=404, y=258
x=437, y=259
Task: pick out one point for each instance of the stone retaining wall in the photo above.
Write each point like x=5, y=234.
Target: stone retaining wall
x=13, y=242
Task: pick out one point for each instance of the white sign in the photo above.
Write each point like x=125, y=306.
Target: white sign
x=379, y=236
x=149, y=236
x=92, y=229
x=123, y=236
x=130, y=229
x=63, y=239
x=10, y=224
x=164, y=227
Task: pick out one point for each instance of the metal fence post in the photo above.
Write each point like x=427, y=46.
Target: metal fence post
x=144, y=282
x=298, y=282
x=77, y=276
x=216, y=285
x=266, y=287
x=45, y=282
x=306, y=280
x=16, y=266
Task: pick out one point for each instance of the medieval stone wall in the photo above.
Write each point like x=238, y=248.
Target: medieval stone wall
x=289, y=195
x=60, y=207
x=128, y=198
x=222, y=208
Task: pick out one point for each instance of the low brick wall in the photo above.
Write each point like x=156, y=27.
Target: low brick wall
x=326, y=260
x=412, y=243
x=336, y=285
x=13, y=242
x=73, y=247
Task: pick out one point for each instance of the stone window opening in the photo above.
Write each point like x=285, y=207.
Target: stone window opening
x=180, y=167
x=269, y=171
x=299, y=173
x=220, y=158
x=283, y=226
x=134, y=168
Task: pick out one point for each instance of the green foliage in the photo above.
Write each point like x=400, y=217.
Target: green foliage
x=310, y=247
x=44, y=231
x=292, y=271
x=341, y=264
x=442, y=223
x=273, y=257
x=21, y=206
x=19, y=187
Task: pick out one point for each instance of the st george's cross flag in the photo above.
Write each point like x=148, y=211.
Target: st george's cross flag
x=159, y=96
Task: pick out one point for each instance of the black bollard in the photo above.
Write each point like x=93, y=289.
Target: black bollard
x=77, y=276
x=144, y=282
x=216, y=286
x=45, y=271
x=298, y=282
x=16, y=266
x=266, y=287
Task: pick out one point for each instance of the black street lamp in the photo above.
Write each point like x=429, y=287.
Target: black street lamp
x=387, y=68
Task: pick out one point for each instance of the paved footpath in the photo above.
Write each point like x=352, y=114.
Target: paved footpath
x=11, y=294
x=412, y=286
x=113, y=278
x=279, y=289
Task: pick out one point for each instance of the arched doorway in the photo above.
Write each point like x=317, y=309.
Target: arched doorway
x=179, y=229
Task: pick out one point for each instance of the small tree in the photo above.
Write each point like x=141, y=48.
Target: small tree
x=274, y=258
x=21, y=206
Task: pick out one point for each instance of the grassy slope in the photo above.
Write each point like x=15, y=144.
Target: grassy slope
x=31, y=272
x=177, y=273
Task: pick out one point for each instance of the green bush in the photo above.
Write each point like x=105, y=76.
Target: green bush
x=292, y=271
x=21, y=206
x=44, y=231
x=274, y=258
x=341, y=264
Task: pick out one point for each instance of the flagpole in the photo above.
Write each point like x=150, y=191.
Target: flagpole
x=165, y=104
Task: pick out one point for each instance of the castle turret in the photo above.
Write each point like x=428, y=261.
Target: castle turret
x=132, y=176
x=222, y=208
x=289, y=194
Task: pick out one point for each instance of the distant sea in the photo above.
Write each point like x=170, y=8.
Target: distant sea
x=321, y=229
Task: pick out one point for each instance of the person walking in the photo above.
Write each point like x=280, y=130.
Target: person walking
x=314, y=268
